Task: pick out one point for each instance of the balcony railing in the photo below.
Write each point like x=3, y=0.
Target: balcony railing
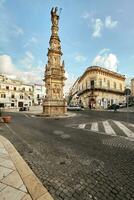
x=101, y=88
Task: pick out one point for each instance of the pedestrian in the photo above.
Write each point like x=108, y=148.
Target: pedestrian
x=115, y=108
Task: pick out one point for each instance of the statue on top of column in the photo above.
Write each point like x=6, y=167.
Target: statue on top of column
x=54, y=16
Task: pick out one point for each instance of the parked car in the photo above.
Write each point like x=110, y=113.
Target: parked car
x=122, y=105
x=113, y=106
x=130, y=104
x=73, y=108
x=24, y=108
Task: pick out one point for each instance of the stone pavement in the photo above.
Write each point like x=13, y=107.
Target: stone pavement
x=17, y=181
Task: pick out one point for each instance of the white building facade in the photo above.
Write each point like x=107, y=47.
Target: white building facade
x=39, y=94
x=14, y=93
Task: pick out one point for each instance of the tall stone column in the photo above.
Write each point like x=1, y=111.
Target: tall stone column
x=54, y=103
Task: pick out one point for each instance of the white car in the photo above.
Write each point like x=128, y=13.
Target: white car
x=77, y=108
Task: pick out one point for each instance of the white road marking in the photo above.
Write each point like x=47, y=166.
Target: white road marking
x=26, y=115
x=65, y=136
x=127, y=131
x=82, y=126
x=108, y=129
x=94, y=126
x=56, y=132
x=132, y=125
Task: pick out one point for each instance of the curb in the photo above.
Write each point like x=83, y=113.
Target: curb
x=55, y=117
x=32, y=183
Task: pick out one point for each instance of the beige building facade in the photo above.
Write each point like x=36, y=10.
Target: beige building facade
x=99, y=87
x=132, y=87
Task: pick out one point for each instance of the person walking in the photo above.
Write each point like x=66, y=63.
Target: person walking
x=115, y=108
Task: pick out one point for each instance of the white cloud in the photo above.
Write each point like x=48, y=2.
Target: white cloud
x=31, y=41
x=79, y=58
x=104, y=51
x=109, y=23
x=71, y=78
x=27, y=61
x=32, y=75
x=106, y=60
x=97, y=27
x=6, y=65
x=86, y=15
x=29, y=55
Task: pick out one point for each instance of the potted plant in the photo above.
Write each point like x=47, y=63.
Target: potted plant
x=6, y=119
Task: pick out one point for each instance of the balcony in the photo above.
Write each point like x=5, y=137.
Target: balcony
x=100, y=88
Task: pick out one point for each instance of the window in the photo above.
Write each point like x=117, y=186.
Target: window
x=7, y=87
x=114, y=85
x=30, y=90
x=12, y=96
x=21, y=96
x=92, y=84
x=120, y=86
x=14, y=88
x=86, y=85
x=12, y=104
x=38, y=96
x=100, y=82
x=108, y=84
x=3, y=96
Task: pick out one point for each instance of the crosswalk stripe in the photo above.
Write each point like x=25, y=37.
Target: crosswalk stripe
x=94, y=126
x=108, y=129
x=127, y=131
x=82, y=126
x=132, y=125
x=26, y=115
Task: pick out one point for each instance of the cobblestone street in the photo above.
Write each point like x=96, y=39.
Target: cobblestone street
x=73, y=163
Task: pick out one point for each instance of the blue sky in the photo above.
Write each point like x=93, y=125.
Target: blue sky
x=91, y=32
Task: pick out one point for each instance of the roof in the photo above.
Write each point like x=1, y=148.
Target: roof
x=94, y=68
